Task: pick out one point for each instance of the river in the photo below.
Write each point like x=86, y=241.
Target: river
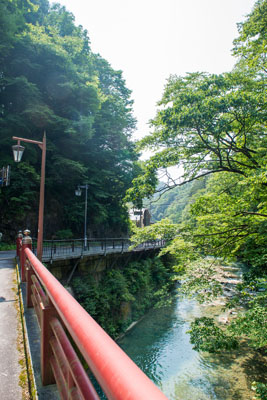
x=160, y=345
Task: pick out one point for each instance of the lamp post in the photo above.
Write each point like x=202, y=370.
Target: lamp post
x=18, y=151
x=78, y=192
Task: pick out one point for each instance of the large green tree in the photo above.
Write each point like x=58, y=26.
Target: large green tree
x=50, y=80
x=210, y=123
x=206, y=124
x=214, y=127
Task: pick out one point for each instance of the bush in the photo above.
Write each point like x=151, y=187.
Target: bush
x=7, y=246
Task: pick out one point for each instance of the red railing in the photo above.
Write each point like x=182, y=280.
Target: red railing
x=57, y=312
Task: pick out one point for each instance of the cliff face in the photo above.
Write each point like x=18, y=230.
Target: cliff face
x=116, y=292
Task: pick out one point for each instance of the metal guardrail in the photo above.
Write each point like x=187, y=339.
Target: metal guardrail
x=60, y=315
x=57, y=249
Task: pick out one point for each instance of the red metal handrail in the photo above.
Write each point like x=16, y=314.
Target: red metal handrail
x=117, y=374
x=71, y=370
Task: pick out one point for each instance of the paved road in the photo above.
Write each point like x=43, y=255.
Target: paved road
x=9, y=355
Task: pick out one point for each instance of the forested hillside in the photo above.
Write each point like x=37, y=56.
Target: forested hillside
x=51, y=81
x=172, y=203
x=213, y=127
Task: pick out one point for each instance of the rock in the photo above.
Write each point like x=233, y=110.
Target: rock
x=223, y=319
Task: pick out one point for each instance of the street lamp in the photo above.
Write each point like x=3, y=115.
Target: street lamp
x=18, y=151
x=78, y=192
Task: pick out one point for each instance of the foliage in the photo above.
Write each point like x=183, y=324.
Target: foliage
x=200, y=281
x=213, y=127
x=210, y=124
x=164, y=230
x=138, y=285
x=260, y=389
x=251, y=322
x=171, y=204
x=207, y=336
x=251, y=45
x=207, y=124
x=50, y=80
x=5, y=246
x=229, y=218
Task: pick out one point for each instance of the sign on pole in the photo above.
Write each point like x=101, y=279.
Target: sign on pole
x=5, y=176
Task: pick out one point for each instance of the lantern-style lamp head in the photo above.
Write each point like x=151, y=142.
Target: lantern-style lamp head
x=17, y=152
x=78, y=191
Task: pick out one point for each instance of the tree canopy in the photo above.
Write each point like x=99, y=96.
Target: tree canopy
x=209, y=123
x=213, y=127
x=51, y=80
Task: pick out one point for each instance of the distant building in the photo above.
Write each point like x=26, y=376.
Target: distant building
x=140, y=217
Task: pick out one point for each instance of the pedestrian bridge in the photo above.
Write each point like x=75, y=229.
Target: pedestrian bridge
x=76, y=248
x=67, y=330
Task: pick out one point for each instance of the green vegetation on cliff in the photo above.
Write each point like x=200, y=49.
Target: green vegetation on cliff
x=124, y=295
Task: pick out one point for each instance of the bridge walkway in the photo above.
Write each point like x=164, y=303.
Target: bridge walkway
x=10, y=369
x=66, y=249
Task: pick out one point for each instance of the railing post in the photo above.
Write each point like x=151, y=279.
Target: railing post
x=52, y=244
x=29, y=273
x=47, y=313
x=26, y=243
x=18, y=242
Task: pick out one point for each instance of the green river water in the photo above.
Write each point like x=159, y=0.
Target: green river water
x=160, y=345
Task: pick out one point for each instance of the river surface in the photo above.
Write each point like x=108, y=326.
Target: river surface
x=160, y=345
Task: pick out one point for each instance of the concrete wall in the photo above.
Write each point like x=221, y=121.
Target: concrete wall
x=96, y=264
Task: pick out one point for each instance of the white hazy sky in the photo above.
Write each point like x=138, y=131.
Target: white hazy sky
x=150, y=39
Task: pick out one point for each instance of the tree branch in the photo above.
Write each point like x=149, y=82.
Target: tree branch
x=252, y=213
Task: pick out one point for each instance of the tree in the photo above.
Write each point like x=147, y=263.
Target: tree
x=50, y=80
x=207, y=124
x=251, y=45
x=172, y=203
x=214, y=126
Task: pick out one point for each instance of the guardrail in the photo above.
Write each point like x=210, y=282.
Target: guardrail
x=60, y=316
x=55, y=249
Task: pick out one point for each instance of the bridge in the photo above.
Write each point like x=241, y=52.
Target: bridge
x=75, y=248
x=68, y=333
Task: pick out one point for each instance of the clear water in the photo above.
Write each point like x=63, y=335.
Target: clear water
x=160, y=346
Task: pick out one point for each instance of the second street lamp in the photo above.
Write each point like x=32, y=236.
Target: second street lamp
x=78, y=192
x=18, y=151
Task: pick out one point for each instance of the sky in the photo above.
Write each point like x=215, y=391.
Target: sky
x=151, y=39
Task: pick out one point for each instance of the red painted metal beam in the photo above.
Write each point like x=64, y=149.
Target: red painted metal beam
x=117, y=374
x=63, y=392
x=67, y=357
